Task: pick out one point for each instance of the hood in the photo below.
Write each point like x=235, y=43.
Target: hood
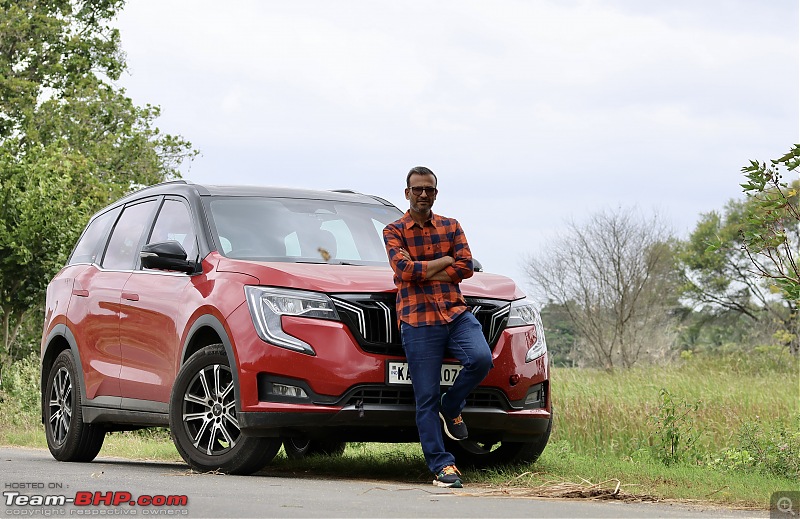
x=331, y=279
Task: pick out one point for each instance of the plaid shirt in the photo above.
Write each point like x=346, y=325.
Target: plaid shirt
x=422, y=301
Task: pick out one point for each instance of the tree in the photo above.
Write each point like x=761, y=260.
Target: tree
x=560, y=333
x=614, y=277
x=772, y=223
x=48, y=45
x=70, y=141
x=771, y=234
x=741, y=260
x=37, y=229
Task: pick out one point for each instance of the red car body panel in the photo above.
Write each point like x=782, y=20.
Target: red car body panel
x=333, y=279
x=93, y=315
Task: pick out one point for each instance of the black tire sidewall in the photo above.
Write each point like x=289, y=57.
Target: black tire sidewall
x=293, y=452
x=83, y=441
x=312, y=447
x=247, y=456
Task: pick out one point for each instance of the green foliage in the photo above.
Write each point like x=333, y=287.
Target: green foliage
x=560, y=332
x=742, y=260
x=70, y=142
x=37, y=225
x=19, y=389
x=771, y=448
x=759, y=360
x=52, y=44
x=770, y=236
x=674, y=433
x=612, y=414
x=718, y=275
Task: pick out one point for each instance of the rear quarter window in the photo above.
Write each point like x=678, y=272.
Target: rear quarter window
x=91, y=243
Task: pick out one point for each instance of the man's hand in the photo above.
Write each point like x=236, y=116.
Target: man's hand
x=435, y=270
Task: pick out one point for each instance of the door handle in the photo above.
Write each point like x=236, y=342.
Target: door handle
x=130, y=296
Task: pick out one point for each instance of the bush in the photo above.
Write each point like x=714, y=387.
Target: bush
x=674, y=433
x=770, y=448
x=19, y=387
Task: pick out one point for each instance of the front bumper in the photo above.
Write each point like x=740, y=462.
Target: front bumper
x=346, y=395
x=391, y=424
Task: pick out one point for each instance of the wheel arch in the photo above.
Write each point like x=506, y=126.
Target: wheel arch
x=59, y=339
x=205, y=331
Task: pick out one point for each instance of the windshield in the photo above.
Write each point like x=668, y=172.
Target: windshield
x=301, y=230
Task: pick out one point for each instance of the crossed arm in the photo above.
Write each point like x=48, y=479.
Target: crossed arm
x=448, y=269
x=435, y=270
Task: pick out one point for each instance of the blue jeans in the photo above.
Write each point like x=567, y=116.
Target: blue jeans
x=425, y=348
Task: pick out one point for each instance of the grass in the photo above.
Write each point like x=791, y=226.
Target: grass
x=722, y=430
x=601, y=412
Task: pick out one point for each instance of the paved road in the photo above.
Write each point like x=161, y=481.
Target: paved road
x=26, y=473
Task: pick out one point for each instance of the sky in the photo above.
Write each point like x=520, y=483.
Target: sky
x=532, y=113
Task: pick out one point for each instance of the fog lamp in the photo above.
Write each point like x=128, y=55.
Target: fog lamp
x=287, y=390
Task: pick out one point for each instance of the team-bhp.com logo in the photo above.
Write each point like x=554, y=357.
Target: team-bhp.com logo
x=93, y=503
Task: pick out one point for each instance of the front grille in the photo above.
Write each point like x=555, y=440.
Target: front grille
x=482, y=398
x=380, y=396
x=372, y=319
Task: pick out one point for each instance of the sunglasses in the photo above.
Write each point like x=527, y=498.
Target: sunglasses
x=430, y=191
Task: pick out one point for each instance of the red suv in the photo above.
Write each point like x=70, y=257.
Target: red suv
x=245, y=318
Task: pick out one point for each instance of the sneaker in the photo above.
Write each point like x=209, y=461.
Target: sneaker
x=454, y=428
x=448, y=477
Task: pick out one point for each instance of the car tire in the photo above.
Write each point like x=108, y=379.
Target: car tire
x=299, y=447
x=486, y=455
x=68, y=437
x=203, y=422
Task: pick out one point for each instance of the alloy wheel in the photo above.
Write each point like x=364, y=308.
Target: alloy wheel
x=60, y=405
x=209, y=411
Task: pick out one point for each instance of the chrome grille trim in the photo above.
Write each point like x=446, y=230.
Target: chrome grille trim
x=372, y=319
x=362, y=320
x=388, y=322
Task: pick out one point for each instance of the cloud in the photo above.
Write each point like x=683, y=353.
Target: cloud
x=532, y=112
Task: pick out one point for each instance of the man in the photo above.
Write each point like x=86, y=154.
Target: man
x=430, y=257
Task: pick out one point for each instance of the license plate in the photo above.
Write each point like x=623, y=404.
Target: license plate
x=398, y=373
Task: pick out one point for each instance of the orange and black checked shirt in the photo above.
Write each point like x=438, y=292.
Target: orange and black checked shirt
x=420, y=301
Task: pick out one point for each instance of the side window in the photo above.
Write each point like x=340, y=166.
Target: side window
x=89, y=247
x=123, y=248
x=174, y=222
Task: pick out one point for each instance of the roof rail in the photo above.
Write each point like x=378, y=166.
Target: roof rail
x=374, y=197
x=176, y=181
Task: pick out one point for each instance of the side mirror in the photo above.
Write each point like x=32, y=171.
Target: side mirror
x=166, y=255
x=476, y=265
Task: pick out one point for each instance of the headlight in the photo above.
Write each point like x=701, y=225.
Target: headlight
x=267, y=305
x=524, y=313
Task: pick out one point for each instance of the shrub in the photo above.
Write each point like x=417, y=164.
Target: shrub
x=19, y=387
x=766, y=447
x=674, y=433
